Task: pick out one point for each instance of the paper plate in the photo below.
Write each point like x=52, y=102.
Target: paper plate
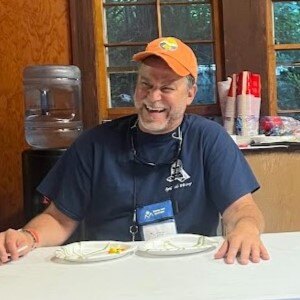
x=179, y=244
x=93, y=251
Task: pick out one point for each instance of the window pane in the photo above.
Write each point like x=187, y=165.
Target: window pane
x=131, y=23
x=206, y=82
x=127, y=1
x=184, y=1
x=288, y=79
x=187, y=22
x=122, y=89
x=287, y=22
x=122, y=56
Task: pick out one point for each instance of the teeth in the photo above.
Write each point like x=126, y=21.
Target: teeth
x=155, y=109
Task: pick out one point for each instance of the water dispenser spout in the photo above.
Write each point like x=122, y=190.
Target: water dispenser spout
x=44, y=101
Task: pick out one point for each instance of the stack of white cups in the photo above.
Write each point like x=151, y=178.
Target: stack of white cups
x=241, y=107
x=248, y=103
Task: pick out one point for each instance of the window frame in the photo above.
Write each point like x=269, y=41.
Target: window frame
x=271, y=56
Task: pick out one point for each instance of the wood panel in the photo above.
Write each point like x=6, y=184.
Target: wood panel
x=245, y=41
x=83, y=20
x=31, y=32
x=278, y=174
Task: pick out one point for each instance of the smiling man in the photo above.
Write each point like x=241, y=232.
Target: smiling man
x=156, y=173
x=162, y=95
x=157, y=96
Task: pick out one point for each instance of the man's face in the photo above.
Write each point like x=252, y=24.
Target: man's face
x=161, y=97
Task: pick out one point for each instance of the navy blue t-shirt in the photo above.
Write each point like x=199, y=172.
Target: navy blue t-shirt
x=100, y=180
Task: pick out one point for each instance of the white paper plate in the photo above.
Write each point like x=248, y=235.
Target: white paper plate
x=92, y=251
x=179, y=244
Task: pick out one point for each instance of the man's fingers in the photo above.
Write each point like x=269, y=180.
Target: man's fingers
x=12, y=245
x=222, y=250
x=244, y=253
x=231, y=254
x=255, y=255
x=264, y=253
x=3, y=253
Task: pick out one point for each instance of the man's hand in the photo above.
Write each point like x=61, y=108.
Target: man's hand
x=243, y=224
x=244, y=244
x=11, y=241
x=50, y=228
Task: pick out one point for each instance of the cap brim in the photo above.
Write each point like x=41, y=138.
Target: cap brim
x=172, y=63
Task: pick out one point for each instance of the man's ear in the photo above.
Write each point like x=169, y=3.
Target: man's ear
x=192, y=94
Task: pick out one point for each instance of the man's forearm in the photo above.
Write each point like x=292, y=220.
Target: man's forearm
x=243, y=212
x=52, y=227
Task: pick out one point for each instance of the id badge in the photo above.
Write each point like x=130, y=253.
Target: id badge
x=156, y=220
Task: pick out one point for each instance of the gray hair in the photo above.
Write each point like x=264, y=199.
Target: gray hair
x=190, y=80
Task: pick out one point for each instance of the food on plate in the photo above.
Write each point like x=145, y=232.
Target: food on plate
x=116, y=249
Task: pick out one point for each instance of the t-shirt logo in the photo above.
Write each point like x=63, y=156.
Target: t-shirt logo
x=177, y=172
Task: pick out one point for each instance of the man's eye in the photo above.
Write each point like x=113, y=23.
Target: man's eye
x=167, y=89
x=145, y=84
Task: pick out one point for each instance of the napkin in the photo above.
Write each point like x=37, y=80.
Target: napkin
x=223, y=89
x=230, y=107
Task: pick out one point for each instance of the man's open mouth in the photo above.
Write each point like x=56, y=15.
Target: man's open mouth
x=154, y=109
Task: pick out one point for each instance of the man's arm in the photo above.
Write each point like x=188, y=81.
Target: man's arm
x=243, y=223
x=51, y=227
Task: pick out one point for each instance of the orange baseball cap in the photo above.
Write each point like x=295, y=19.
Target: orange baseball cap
x=179, y=56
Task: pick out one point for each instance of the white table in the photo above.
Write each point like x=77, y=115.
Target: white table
x=196, y=276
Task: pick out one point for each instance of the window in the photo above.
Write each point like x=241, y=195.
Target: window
x=105, y=35
x=124, y=27
x=284, y=70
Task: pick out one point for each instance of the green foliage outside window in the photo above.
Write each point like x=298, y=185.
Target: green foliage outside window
x=287, y=31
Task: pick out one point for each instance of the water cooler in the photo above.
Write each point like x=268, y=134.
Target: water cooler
x=53, y=120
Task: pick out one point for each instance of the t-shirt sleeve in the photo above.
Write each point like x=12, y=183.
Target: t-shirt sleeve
x=228, y=174
x=68, y=184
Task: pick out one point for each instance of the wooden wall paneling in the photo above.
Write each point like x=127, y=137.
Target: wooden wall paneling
x=31, y=32
x=245, y=40
x=84, y=56
x=278, y=173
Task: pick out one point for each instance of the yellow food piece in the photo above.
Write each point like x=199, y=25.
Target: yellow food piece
x=115, y=250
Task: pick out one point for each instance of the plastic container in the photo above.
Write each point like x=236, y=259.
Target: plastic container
x=53, y=114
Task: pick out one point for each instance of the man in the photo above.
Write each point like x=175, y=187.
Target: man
x=157, y=173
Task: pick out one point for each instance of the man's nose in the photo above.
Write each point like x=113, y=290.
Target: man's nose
x=154, y=94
